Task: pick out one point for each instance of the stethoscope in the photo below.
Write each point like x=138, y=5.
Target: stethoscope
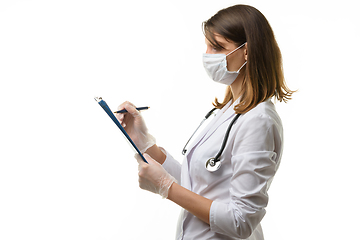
x=213, y=164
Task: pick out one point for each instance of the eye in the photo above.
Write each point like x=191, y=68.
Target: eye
x=216, y=49
x=213, y=48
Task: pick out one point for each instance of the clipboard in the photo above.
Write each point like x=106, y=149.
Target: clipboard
x=106, y=108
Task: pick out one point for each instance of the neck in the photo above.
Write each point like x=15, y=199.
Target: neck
x=236, y=85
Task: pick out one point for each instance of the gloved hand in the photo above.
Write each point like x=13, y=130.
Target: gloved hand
x=134, y=125
x=153, y=177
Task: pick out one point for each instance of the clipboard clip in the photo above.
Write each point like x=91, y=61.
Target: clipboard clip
x=98, y=99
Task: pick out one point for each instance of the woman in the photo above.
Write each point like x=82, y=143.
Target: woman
x=230, y=202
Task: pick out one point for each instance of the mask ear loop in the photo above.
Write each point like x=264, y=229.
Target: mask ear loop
x=241, y=67
x=236, y=49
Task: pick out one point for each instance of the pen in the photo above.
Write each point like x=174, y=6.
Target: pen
x=139, y=109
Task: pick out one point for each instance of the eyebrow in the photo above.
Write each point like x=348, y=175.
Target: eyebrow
x=213, y=42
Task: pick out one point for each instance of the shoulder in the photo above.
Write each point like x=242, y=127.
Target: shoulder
x=260, y=129
x=263, y=116
x=264, y=110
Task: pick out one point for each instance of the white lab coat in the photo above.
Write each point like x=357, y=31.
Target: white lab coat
x=239, y=188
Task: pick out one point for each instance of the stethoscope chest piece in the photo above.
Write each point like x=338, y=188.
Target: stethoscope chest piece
x=212, y=165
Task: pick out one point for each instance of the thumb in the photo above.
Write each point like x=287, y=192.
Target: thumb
x=149, y=159
x=139, y=159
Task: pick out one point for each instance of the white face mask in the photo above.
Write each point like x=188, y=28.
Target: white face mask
x=216, y=67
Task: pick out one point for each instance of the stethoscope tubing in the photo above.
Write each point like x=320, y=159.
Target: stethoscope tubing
x=226, y=137
x=213, y=164
x=206, y=117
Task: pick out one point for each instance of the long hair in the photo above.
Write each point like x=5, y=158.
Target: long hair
x=264, y=77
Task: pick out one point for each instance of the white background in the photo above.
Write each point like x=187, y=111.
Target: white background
x=65, y=170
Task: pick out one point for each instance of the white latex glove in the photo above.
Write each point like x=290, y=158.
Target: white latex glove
x=153, y=177
x=134, y=125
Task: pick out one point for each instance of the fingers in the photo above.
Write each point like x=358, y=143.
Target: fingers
x=130, y=108
x=142, y=168
x=126, y=103
x=121, y=116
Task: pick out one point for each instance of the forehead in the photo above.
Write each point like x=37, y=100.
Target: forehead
x=216, y=39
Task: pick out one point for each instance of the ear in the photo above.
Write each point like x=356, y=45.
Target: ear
x=245, y=51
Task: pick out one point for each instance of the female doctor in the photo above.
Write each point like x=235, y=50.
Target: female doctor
x=228, y=203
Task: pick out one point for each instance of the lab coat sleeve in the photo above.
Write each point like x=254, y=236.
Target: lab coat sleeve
x=172, y=166
x=254, y=162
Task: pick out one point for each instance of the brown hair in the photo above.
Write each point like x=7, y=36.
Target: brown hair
x=264, y=76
